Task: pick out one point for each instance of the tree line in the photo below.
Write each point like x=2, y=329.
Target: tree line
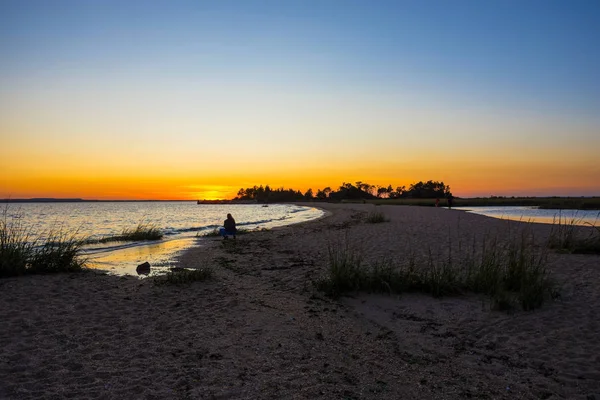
x=347, y=191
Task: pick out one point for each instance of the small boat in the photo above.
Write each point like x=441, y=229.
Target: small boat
x=265, y=205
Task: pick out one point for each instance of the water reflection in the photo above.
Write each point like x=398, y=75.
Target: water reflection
x=125, y=261
x=533, y=214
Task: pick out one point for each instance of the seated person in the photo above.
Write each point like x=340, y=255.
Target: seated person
x=228, y=227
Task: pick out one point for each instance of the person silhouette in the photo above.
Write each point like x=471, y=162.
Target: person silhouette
x=229, y=227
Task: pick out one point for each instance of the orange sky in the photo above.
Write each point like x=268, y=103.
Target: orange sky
x=86, y=159
x=473, y=178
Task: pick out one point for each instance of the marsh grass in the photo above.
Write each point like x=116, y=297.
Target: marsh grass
x=184, y=276
x=509, y=272
x=376, y=217
x=22, y=252
x=143, y=231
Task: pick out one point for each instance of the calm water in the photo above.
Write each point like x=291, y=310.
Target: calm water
x=183, y=224
x=532, y=214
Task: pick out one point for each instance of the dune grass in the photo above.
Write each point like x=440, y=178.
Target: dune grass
x=184, y=276
x=22, y=252
x=510, y=273
x=143, y=231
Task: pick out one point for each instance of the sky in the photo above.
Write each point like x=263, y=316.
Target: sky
x=197, y=99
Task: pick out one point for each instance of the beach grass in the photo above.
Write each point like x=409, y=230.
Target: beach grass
x=589, y=244
x=16, y=246
x=58, y=253
x=143, y=231
x=346, y=272
x=566, y=236
x=511, y=272
x=376, y=217
x=563, y=235
x=22, y=252
x=184, y=276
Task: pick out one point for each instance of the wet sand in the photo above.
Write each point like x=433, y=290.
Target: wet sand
x=260, y=330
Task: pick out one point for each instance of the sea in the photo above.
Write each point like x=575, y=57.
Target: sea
x=184, y=225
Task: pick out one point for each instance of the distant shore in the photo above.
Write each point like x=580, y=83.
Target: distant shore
x=261, y=329
x=558, y=203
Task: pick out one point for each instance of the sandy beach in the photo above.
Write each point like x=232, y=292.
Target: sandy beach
x=259, y=329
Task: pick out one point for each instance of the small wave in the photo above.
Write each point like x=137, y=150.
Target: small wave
x=263, y=221
x=173, y=233
x=176, y=231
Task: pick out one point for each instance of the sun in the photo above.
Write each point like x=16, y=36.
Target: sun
x=211, y=192
x=209, y=195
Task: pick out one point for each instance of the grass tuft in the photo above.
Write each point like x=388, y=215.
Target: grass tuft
x=591, y=244
x=143, y=231
x=215, y=232
x=345, y=272
x=565, y=236
x=376, y=217
x=59, y=253
x=184, y=276
x=21, y=252
x=16, y=246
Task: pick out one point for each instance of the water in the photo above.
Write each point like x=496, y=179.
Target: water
x=534, y=214
x=183, y=224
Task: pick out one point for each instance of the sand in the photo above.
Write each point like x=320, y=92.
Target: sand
x=260, y=330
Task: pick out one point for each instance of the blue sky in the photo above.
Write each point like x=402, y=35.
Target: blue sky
x=535, y=47
x=538, y=54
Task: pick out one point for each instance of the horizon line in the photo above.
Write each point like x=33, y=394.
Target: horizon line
x=82, y=200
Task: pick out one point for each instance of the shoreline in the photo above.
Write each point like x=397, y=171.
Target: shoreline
x=583, y=203
x=260, y=329
x=122, y=257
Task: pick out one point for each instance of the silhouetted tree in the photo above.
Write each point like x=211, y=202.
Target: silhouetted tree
x=346, y=191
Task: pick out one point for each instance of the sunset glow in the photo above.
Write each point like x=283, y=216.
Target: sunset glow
x=194, y=100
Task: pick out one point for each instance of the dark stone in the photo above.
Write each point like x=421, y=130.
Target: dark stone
x=143, y=269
